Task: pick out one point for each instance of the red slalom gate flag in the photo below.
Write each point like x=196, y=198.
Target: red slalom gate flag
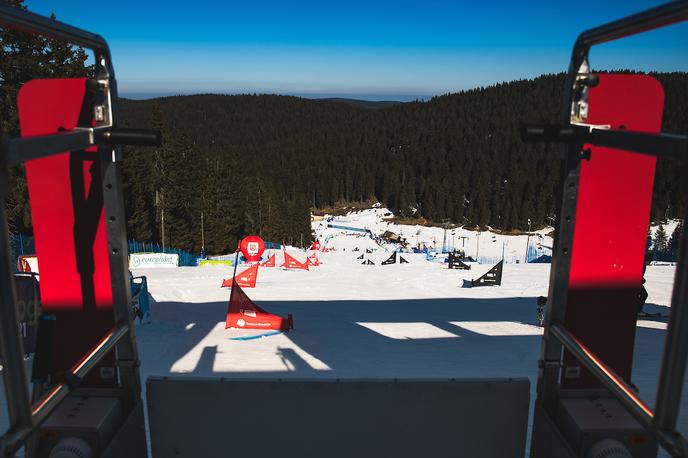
x=243, y=313
x=246, y=279
x=312, y=261
x=270, y=262
x=292, y=263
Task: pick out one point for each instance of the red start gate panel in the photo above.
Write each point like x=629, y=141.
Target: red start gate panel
x=69, y=225
x=612, y=215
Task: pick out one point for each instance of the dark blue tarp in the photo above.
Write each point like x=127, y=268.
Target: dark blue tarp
x=542, y=259
x=348, y=228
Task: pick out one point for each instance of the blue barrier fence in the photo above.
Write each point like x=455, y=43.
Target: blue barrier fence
x=507, y=259
x=21, y=245
x=232, y=256
x=536, y=253
x=185, y=258
x=24, y=245
x=348, y=228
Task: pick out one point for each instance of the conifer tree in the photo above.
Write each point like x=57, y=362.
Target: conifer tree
x=660, y=240
x=674, y=240
x=259, y=163
x=25, y=56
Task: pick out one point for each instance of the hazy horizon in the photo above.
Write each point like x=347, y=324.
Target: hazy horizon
x=313, y=96
x=397, y=50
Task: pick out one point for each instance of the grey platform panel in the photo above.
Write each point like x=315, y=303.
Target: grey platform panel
x=194, y=417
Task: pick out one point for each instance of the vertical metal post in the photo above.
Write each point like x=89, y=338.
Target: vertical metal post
x=162, y=224
x=551, y=349
x=675, y=348
x=113, y=206
x=528, y=241
x=113, y=201
x=13, y=373
x=477, y=249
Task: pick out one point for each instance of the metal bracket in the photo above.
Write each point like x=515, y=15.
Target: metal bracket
x=592, y=127
x=100, y=85
x=581, y=83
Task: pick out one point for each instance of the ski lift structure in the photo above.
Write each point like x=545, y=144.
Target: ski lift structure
x=583, y=373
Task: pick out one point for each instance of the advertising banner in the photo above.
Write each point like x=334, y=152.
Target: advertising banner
x=146, y=260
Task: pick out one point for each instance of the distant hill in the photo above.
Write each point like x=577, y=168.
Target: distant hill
x=258, y=163
x=367, y=104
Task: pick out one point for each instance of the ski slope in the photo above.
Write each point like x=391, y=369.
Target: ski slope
x=360, y=321
x=371, y=321
x=357, y=321
x=474, y=243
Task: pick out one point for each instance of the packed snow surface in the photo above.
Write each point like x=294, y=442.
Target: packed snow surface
x=373, y=321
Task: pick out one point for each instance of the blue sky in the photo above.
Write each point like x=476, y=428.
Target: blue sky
x=366, y=49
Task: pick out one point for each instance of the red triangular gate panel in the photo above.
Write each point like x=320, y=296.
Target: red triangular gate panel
x=245, y=279
x=312, y=261
x=292, y=263
x=243, y=313
x=270, y=262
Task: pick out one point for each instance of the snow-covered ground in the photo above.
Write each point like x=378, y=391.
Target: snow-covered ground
x=353, y=320
x=368, y=321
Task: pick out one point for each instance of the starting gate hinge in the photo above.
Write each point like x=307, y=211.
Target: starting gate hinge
x=550, y=363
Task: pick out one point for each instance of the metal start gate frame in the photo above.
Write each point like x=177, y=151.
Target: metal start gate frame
x=574, y=133
x=26, y=417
